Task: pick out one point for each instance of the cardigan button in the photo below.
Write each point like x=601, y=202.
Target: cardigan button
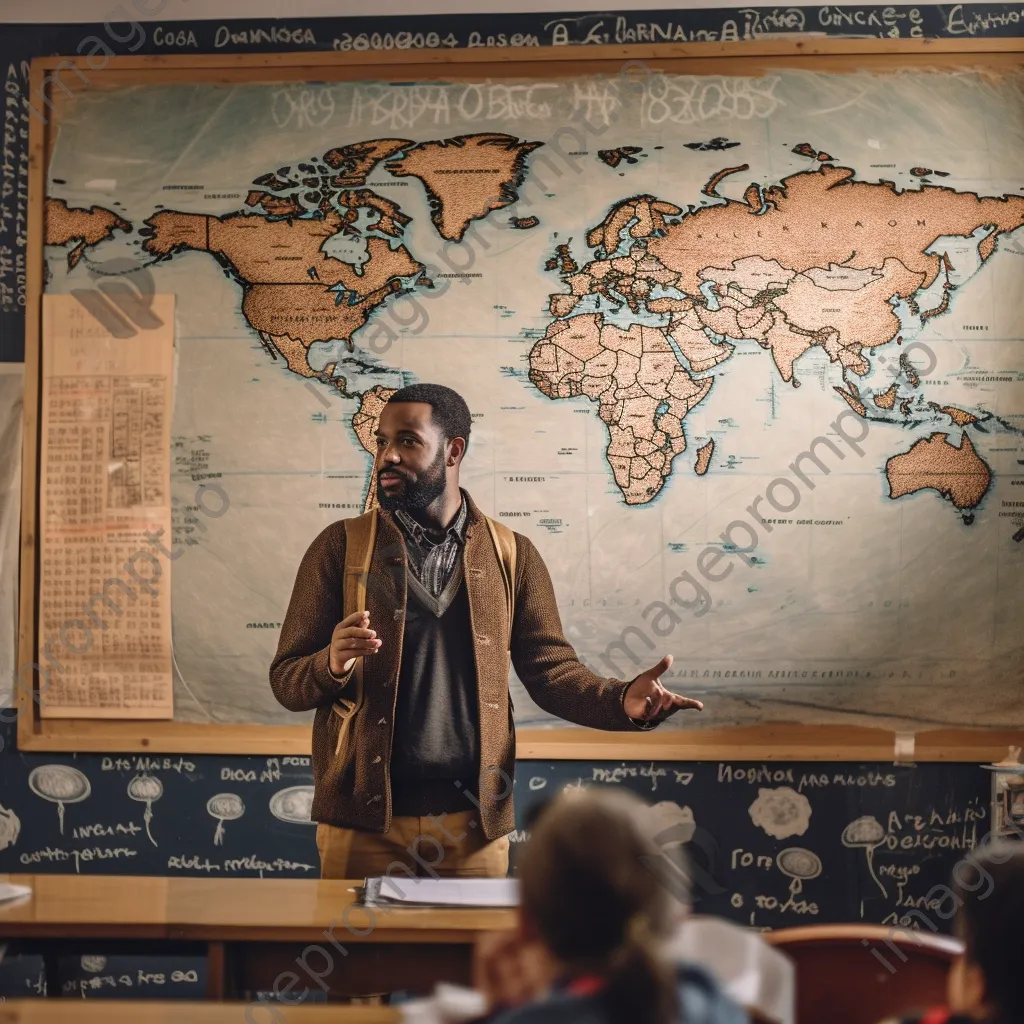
x=377, y=759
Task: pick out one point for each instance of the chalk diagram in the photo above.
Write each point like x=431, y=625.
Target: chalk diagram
x=10, y=827
x=781, y=812
x=674, y=825
x=146, y=788
x=799, y=865
x=866, y=833
x=293, y=805
x=93, y=964
x=60, y=784
x=224, y=807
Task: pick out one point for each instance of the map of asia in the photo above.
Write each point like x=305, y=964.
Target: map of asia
x=744, y=357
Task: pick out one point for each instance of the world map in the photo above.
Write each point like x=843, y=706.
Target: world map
x=646, y=302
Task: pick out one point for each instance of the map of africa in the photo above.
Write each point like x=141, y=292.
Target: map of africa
x=748, y=373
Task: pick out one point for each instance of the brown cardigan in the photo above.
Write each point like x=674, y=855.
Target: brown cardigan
x=353, y=788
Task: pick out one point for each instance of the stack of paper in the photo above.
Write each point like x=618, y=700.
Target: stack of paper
x=13, y=892
x=756, y=975
x=441, y=892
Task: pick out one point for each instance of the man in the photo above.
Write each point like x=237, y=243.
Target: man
x=413, y=739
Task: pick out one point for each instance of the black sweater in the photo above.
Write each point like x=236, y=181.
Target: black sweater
x=437, y=732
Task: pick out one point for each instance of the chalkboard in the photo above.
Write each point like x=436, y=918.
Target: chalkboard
x=773, y=844
x=22, y=977
x=96, y=42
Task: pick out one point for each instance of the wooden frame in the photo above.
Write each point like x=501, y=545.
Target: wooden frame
x=768, y=742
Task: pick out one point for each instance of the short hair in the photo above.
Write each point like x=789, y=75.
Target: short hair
x=990, y=884
x=449, y=409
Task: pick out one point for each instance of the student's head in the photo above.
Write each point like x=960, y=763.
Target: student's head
x=593, y=894
x=422, y=435
x=985, y=982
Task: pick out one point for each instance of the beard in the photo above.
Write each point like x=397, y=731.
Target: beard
x=415, y=495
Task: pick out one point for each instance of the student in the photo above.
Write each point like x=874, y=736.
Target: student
x=983, y=985
x=595, y=921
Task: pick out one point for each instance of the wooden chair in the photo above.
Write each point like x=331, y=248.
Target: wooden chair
x=862, y=973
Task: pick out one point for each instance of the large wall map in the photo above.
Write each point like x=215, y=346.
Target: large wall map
x=744, y=357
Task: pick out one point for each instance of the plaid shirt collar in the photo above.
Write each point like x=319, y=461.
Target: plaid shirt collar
x=421, y=537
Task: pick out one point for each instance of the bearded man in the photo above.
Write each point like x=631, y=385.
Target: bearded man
x=401, y=630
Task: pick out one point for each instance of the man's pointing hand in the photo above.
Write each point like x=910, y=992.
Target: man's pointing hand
x=646, y=699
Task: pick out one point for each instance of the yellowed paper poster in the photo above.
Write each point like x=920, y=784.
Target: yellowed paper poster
x=105, y=522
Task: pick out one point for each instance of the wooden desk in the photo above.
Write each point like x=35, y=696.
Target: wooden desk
x=255, y=929
x=78, y=1011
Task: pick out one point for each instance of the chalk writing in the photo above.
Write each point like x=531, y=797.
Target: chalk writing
x=626, y=771
x=398, y=41
x=50, y=855
x=170, y=38
x=14, y=190
x=147, y=764
x=141, y=979
x=811, y=780
x=789, y=906
x=683, y=99
x=275, y=36
x=301, y=108
x=740, y=858
x=95, y=831
x=759, y=774
x=888, y=20
x=981, y=22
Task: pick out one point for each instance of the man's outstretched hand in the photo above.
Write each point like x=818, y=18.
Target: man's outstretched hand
x=646, y=699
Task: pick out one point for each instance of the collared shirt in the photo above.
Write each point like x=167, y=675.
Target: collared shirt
x=433, y=553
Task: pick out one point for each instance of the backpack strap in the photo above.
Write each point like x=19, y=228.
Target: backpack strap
x=360, y=536
x=504, y=541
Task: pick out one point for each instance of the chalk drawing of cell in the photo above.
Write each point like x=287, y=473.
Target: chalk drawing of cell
x=224, y=807
x=10, y=827
x=93, y=964
x=781, y=812
x=293, y=805
x=60, y=784
x=671, y=825
x=866, y=833
x=146, y=789
x=800, y=865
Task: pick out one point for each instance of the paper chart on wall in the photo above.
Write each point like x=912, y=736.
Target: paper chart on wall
x=105, y=514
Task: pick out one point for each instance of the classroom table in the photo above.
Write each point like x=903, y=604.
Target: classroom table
x=252, y=931
x=70, y=1011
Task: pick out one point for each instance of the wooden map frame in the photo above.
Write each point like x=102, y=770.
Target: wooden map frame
x=767, y=742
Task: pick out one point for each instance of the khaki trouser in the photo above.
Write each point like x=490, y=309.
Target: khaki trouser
x=449, y=845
